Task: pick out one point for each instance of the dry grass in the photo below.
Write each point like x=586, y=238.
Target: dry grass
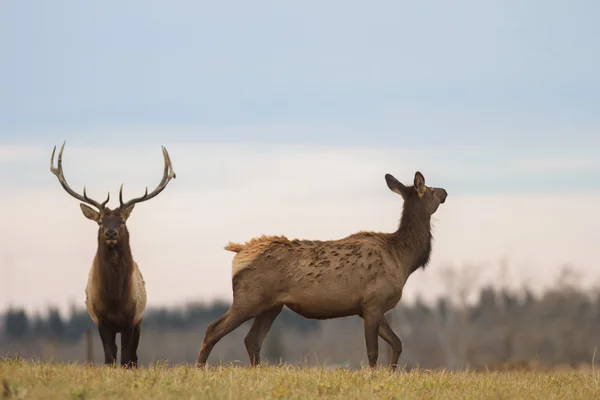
x=31, y=380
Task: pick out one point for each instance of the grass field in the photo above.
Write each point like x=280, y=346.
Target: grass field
x=31, y=380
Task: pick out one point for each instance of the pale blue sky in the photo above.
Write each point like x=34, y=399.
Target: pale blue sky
x=282, y=118
x=516, y=79
x=396, y=72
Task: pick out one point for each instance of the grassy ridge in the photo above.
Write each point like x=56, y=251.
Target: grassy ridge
x=30, y=380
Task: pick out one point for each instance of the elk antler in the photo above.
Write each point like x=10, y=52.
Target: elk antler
x=168, y=174
x=58, y=171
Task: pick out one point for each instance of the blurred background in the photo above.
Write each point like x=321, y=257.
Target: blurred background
x=283, y=119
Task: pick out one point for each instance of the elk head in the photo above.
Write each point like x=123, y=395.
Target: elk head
x=112, y=223
x=418, y=195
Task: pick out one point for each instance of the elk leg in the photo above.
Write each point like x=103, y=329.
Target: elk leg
x=233, y=318
x=109, y=345
x=372, y=320
x=387, y=334
x=126, y=346
x=137, y=330
x=260, y=328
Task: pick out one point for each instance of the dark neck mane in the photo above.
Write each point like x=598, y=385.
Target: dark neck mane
x=413, y=238
x=115, y=268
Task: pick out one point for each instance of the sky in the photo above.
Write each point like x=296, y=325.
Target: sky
x=283, y=118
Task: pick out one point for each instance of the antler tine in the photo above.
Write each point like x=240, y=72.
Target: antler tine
x=168, y=159
x=121, y=195
x=102, y=205
x=58, y=172
x=168, y=174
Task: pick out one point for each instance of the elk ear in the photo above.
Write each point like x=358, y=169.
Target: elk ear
x=395, y=186
x=89, y=212
x=127, y=212
x=420, y=183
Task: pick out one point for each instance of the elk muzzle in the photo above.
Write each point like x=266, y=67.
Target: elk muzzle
x=111, y=236
x=443, y=195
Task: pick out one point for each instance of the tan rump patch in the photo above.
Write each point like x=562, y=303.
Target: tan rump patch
x=249, y=251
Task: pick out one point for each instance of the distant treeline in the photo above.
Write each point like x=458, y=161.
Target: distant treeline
x=496, y=326
x=19, y=325
x=560, y=326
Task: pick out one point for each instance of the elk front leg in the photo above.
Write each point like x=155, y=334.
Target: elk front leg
x=109, y=344
x=126, y=346
x=372, y=320
x=134, y=344
x=387, y=334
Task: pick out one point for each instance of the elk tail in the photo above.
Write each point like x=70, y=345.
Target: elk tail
x=235, y=247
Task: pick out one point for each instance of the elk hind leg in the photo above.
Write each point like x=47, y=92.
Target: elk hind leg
x=260, y=328
x=234, y=317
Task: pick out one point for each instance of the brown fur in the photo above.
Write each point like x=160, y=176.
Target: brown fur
x=116, y=289
x=115, y=270
x=362, y=274
x=116, y=292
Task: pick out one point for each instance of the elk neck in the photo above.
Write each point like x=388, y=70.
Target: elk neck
x=413, y=239
x=115, y=268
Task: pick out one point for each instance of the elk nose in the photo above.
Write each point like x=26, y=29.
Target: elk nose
x=444, y=195
x=110, y=234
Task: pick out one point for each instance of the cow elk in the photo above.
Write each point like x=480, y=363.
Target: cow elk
x=115, y=292
x=362, y=274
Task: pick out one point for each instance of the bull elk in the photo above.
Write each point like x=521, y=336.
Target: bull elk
x=362, y=274
x=115, y=292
